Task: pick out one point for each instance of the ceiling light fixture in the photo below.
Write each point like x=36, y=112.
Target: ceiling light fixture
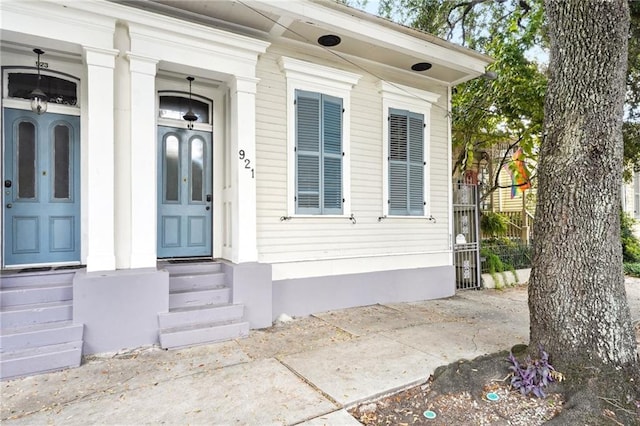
x=190, y=117
x=37, y=96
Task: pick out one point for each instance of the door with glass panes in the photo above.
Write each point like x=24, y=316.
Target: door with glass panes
x=184, y=193
x=41, y=185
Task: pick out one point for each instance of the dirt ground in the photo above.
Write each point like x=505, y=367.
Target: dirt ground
x=457, y=394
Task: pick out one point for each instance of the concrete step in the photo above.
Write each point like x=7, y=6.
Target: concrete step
x=26, y=279
x=24, y=315
x=218, y=295
x=202, y=334
x=192, y=280
x=42, y=293
x=183, y=317
x=190, y=268
x=33, y=336
x=40, y=360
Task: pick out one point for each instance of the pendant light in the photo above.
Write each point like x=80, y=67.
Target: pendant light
x=190, y=117
x=38, y=98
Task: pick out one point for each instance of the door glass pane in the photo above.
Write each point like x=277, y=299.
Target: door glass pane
x=197, y=169
x=26, y=160
x=172, y=168
x=61, y=163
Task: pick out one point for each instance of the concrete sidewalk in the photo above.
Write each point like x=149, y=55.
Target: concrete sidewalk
x=304, y=372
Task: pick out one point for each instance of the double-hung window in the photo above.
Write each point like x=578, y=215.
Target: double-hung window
x=318, y=153
x=318, y=138
x=406, y=163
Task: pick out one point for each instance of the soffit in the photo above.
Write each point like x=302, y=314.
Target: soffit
x=365, y=38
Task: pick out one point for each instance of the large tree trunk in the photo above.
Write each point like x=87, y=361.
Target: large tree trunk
x=577, y=300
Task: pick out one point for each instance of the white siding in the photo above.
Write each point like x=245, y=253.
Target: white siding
x=323, y=239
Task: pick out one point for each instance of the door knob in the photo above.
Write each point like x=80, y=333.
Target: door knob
x=208, y=208
x=7, y=183
x=9, y=205
x=208, y=198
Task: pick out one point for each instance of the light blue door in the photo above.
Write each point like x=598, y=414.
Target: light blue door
x=184, y=193
x=41, y=188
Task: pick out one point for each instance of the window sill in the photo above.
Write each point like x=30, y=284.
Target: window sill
x=429, y=218
x=318, y=216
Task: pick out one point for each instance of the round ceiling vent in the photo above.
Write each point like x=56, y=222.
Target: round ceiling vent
x=421, y=66
x=329, y=40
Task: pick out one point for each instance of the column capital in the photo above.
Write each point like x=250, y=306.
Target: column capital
x=98, y=56
x=142, y=64
x=244, y=84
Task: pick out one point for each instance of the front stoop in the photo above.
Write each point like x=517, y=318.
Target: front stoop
x=200, y=308
x=38, y=334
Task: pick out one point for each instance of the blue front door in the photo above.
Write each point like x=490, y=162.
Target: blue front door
x=184, y=193
x=41, y=188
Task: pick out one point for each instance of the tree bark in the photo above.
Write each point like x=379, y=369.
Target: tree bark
x=577, y=300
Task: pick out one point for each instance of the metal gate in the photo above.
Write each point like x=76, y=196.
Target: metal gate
x=466, y=238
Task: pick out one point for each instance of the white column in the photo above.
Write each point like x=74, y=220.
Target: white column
x=243, y=174
x=100, y=158
x=143, y=161
x=122, y=149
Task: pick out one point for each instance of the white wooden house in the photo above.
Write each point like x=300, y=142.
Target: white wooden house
x=631, y=200
x=315, y=173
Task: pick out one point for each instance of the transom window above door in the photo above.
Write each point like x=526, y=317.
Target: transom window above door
x=59, y=90
x=174, y=107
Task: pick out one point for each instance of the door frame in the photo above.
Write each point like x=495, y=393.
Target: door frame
x=24, y=105
x=210, y=92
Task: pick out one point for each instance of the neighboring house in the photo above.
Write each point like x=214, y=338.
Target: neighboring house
x=631, y=200
x=316, y=176
x=517, y=206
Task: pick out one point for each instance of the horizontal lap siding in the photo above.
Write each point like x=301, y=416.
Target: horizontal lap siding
x=330, y=237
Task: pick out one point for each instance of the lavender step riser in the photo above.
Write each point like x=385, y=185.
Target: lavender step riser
x=206, y=335
x=192, y=268
x=199, y=298
x=41, y=363
x=24, y=280
x=26, y=317
x=34, y=339
x=192, y=282
x=225, y=313
x=32, y=295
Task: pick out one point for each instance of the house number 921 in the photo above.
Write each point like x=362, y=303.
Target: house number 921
x=247, y=163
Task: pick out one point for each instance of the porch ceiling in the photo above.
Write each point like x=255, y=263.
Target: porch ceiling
x=365, y=38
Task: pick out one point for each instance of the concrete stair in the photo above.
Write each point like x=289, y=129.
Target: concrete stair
x=200, y=308
x=37, y=332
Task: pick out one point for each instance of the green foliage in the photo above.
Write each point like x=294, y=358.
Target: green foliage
x=501, y=255
x=494, y=224
x=492, y=262
x=632, y=269
x=630, y=243
x=493, y=265
x=511, y=107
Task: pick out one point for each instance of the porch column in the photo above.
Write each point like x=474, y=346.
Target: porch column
x=99, y=125
x=143, y=161
x=243, y=172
